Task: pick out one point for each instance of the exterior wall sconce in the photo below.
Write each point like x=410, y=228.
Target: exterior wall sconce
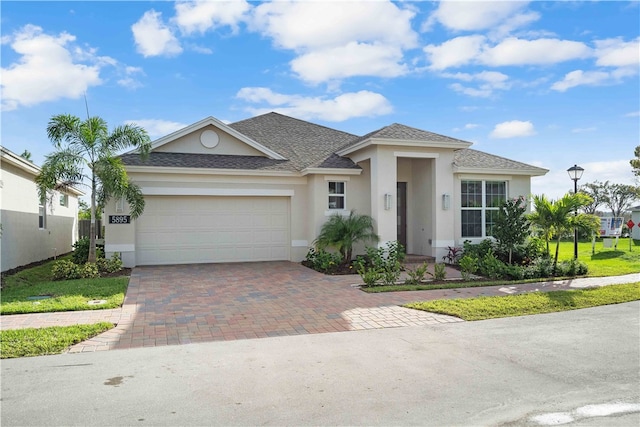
x=446, y=201
x=120, y=205
x=387, y=201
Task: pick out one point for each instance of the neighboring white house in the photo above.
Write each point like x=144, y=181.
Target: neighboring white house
x=32, y=231
x=260, y=189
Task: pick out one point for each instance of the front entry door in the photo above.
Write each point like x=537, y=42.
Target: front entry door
x=401, y=204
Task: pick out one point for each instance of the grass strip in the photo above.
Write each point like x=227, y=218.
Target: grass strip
x=43, y=341
x=65, y=295
x=531, y=303
x=453, y=284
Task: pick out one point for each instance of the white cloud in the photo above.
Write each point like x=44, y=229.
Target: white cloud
x=592, y=78
x=513, y=129
x=583, y=130
x=338, y=42
x=473, y=16
x=476, y=49
x=353, y=59
x=153, y=37
x=514, y=51
x=129, y=81
x=303, y=26
x=157, y=128
x=489, y=82
x=200, y=16
x=617, y=53
x=455, y=52
x=633, y=114
x=343, y=107
x=49, y=68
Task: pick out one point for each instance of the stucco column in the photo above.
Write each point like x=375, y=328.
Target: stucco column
x=443, y=218
x=383, y=182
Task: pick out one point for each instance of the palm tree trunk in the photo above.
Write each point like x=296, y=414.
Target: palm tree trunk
x=92, y=228
x=555, y=260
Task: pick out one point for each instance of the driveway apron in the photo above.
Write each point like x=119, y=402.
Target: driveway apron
x=181, y=304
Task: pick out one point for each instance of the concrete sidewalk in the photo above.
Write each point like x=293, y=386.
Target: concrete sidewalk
x=500, y=372
x=178, y=305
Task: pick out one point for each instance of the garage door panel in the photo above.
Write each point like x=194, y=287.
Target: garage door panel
x=191, y=229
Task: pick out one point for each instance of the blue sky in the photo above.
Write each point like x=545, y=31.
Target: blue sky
x=547, y=83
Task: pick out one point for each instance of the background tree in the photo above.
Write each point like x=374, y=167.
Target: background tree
x=620, y=197
x=26, y=154
x=635, y=163
x=595, y=190
x=88, y=145
x=557, y=218
x=512, y=226
x=342, y=233
x=84, y=210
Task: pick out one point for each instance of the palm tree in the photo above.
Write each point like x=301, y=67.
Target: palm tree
x=558, y=217
x=343, y=232
x=89, y=145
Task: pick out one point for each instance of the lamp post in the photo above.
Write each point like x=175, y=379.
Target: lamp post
x=575, y=173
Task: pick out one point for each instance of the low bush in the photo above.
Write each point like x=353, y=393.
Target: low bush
x=110, y=265
x=417, y=275
x=65, y=270
x=439, y=271
x=468, y=266
x=81, y=251
x=384, y=262
x=322, y=261
x=68, y=270
x=572, y=268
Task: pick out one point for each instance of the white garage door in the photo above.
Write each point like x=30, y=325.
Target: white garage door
x=202, y=229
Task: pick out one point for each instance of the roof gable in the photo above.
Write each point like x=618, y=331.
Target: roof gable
x=211, y=124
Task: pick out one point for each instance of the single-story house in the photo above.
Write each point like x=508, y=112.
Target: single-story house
x=261, y=188
x=32, y=229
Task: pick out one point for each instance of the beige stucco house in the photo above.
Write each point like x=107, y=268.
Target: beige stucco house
x=32, y=230
x=260, y=189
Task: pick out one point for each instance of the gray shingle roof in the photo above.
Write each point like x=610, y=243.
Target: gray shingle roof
x=208, y=161
x=308, y=145
x=305, y=144
x=469, y=158
x=406, y=133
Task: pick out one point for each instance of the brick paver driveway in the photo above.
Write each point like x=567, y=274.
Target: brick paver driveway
x=207, y=302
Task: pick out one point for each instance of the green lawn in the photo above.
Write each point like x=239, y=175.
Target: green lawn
x=605, y=261
x=20, y=292
x=530, y=303
x=43, y=341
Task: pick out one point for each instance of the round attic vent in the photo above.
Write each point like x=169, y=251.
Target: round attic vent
x=209, y=138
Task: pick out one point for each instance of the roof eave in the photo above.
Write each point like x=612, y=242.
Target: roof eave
x=331, y=171
x=502, y=171
x=403, y=143
x=207, y=171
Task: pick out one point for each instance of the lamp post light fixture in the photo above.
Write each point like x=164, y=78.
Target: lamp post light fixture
x=575, y=173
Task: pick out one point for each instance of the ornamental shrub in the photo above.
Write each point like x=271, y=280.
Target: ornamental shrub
x=468, y=266
x=417, y=276
x=322, y=261
x=81, y=251
x=65, y=270
x=439, y=271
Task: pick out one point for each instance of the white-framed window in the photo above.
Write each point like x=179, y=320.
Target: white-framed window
x=64, y=200
x=337, y=194
x=480, y=202
x=42, y=215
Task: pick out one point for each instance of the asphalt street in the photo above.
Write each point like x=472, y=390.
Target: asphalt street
x=522, y=371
